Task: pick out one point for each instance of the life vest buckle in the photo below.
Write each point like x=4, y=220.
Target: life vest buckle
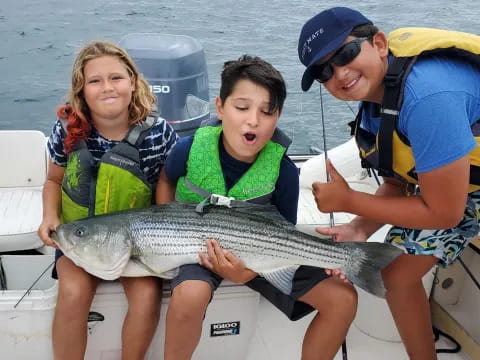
x=221, y=200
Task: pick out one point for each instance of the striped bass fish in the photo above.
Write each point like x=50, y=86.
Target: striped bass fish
x=158, y=239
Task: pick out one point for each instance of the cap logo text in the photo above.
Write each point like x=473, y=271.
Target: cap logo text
x=306, y=45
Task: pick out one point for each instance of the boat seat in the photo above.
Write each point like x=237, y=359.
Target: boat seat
x=23, y=163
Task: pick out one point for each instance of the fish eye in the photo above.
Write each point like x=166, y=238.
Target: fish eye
x=81, y=231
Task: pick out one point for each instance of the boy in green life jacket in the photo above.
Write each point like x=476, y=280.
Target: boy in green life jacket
x=243, y=157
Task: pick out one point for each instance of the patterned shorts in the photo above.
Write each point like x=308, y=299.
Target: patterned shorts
x=445, y=244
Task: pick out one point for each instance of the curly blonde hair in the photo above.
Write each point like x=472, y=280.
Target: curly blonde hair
x=77, y=112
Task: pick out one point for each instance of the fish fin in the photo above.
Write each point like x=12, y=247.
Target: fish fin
x=369, y=260
x=281, y=278
x=169, y=274
x=264, y=210
x=135, y=268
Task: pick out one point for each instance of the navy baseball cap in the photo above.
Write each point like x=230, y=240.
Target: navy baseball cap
x=324, y=33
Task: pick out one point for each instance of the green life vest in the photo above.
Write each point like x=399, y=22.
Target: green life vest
x=115, y=182
x=389, y=151
x=204, y=170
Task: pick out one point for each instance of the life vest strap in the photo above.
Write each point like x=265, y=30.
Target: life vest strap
x=385, y=144
x=474, y=175
x=137, y=132
x=394, y=83
x=219, y=200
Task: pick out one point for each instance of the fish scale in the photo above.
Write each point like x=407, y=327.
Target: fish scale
x=191, y=228
x=179, y=226
x=235, y=243
x=159, y=239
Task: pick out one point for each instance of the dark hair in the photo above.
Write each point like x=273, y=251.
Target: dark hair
x=258, y=71
x=365, y=31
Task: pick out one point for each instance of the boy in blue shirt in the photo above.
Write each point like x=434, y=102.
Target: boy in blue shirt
x=418, y=125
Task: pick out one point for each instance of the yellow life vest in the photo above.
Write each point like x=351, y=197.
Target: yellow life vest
x=116, y=182
x=389, y=151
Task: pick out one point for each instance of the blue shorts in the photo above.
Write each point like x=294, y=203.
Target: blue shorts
x=58, y=254
x=444, y=244
x=306, y=277
x=196, y=272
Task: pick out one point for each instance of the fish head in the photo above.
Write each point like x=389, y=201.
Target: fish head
x=101, y=245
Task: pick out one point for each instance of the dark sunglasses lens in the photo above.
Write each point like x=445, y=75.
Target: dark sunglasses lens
x=346, y=54
x=342, y=57
x=323, y=72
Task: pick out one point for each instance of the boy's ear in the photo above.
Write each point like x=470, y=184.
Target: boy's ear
x=380, y=42
x=219, y=107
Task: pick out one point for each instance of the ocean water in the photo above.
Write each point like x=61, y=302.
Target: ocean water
x=39, y=40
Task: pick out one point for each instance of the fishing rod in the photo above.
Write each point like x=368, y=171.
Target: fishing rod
x=34, y=283
x=332, y=220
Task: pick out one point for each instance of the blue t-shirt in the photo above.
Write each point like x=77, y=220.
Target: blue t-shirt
x=441, y=102
x=284, y=197
x=153, y=150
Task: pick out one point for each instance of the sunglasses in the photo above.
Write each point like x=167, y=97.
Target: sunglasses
x=343, y=56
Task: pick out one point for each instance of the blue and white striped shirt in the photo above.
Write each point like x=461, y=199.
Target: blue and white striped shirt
x=153, y=150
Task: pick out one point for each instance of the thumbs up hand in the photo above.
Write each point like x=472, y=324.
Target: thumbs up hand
x=333, y=195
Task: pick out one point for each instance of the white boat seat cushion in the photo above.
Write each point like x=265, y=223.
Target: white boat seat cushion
x=21, y=183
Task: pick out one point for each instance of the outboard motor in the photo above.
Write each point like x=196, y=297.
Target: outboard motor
x=176, y=69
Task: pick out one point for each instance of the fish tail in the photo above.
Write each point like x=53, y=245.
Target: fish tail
x=367, y=261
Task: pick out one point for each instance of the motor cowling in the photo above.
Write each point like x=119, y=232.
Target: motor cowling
x=176, y=70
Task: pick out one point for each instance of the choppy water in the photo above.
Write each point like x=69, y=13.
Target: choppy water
x=39, y=39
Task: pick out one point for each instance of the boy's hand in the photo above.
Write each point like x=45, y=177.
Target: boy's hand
x=225, y=264
x=337, y=273
x=343, y=233
x=45, y=229
x=333, y=195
